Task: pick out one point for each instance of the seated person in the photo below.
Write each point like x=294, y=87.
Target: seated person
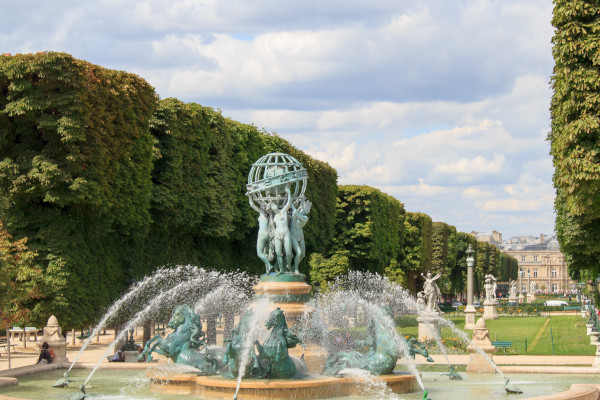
x=46, y=354
x=119, y=356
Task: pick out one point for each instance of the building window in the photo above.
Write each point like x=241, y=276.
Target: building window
x=554, y=287
x=534, y=258
x=522, y=258
x=554, y=273
x=524, y=287
x=535, y=273
x=522, y=273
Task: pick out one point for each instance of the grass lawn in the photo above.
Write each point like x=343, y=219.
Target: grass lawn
x=568, y=332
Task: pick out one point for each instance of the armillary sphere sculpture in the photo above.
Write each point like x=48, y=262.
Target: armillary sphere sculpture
x=275, y=189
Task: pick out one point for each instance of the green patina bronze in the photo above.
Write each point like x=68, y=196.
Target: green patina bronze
x=234, y=348
x=275, y=189
x=183, y=345
x=271, y=359
x=453, y=375
x=275, y=348
x=382, y=355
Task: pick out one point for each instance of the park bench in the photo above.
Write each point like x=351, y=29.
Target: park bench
x=84, y=335
x=4, y=344
x=571, y=308
x=502, y=344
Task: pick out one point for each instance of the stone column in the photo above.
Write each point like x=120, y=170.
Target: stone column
x=521, y=298
x=56, y=341
x=470, y=309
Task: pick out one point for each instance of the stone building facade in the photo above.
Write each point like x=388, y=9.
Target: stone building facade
x=544, y=264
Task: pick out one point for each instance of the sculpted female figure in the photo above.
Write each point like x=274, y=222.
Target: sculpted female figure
x=298, y=220
x=432, y=292
x=263, y=241
x=282, y=238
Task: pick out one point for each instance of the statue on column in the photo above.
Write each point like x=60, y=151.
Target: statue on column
x=432, y=292
x=513, y=289
x=490, y=288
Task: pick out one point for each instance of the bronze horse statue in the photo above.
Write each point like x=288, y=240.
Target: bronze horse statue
x=182, y=346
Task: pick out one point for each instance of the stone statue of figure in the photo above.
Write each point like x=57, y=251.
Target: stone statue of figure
x=513, y=288
x=490, y=288
x=297, y=222
x=282, y=240
x=533, y=287
x=432, y=292
x=264, y=236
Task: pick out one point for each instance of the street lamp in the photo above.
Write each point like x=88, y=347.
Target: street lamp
x=469, y=309
x=521, y=282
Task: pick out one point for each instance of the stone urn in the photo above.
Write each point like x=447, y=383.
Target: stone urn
x=481, y=350
x=56, y=341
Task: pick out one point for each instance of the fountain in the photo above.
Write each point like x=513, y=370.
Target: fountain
x=285, y=344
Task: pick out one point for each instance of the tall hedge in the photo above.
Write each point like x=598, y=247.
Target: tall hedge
x=369, y=233
x=107, y=183
x=75, y=164
x=575, y=134
x=416, y=253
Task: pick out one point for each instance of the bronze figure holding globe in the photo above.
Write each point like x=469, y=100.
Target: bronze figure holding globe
x=276, y=185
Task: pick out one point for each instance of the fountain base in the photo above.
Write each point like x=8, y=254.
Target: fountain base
x=216, y=387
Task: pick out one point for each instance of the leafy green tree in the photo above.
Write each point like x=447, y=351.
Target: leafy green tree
x=18, y=273
x=416, y=254
x=369, y=233
x=75, y=163
x=575, y=134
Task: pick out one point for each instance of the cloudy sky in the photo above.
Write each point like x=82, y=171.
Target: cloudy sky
x=442, y=104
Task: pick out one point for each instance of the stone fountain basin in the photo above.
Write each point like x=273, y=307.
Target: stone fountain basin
x=216, y=387
x=125, y=383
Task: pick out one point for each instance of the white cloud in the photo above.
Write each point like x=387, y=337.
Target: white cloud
x=475, y=193
x=473, y=166
x=443, y=104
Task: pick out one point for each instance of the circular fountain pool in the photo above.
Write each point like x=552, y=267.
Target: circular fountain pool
x=134, y=384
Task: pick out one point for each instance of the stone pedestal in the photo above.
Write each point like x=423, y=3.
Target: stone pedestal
x=530, y=297
x=596, y=362
x=289, y=292
x=56, y=341
x=594, y=337
x=481, y=363
x=470, y=317
x=521, y=299
x=588, y=328
x=513, y=301
x=490, y=310
x=429, y=328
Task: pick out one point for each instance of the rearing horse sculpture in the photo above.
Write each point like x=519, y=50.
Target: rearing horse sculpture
x=382, y=356
x=275, y=348
x=182, y=346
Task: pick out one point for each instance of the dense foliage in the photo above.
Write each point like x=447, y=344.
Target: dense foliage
x=75, y=164
x=17, y=276
x=368, y=233
x=369, y=224
x=575, y=134
x=101, y=184
x=107, y=183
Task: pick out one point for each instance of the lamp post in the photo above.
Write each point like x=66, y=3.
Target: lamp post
x=469, y=309
x=528, y=285
x=521, y=273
